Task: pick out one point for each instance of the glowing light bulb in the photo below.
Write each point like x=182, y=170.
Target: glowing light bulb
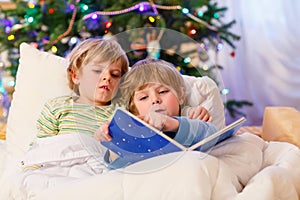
x=108, y=24
x=73, y=40
x=219, y=46
x=72, y=6
x=205, y=67
x=94, y=16
x=31, y=5
x=187, y=60
x=200, y=13
x=54, y=49
x=151, y=19
x=185, y=10
x=51, y=10
x=85, y=7
x=11, y=83
x=193, y=31
x=225, y=91
x=2, y=65
x=30, y=19
x=141, y=8
x=11, y=37
x=216, y=15
x=7, y=29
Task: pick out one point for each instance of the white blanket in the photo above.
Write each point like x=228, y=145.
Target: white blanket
x=243, y=167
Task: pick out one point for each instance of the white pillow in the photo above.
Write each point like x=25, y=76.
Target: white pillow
x=205, y=92
x=40, y=76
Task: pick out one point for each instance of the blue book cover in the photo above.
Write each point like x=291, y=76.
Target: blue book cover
x=135, y=140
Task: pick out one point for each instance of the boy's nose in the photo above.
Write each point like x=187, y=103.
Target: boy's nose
x=106, y=78
x=156, y=101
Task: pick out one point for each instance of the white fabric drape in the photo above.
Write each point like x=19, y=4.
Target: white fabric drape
x=266, y=66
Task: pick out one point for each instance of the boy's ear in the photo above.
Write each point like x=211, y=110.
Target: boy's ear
x=74, y=77
x=182, y=98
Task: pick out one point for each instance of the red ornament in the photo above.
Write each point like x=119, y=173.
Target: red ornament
x=51, y=10
x=232, y=54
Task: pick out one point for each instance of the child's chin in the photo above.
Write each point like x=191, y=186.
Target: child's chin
x=103, y=102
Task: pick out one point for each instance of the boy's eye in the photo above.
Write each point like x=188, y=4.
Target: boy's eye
x=116, y=75
x=97, y=71
x=143, y=98
x=163, y=91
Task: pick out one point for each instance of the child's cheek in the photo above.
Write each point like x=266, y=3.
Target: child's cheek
x=142, y=108
x=116, y=85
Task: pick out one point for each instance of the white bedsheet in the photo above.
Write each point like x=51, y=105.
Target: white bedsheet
x=243, y=167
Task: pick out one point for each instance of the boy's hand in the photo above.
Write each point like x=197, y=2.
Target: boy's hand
x=158, y=118
x=155, y=119
x=102, y=133
x=199, y=112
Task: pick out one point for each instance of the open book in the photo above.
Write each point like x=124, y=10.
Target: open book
x=135, y=140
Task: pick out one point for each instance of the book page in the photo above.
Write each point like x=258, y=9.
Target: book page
x=222, y=134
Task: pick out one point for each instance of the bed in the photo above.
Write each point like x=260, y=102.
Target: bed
x=246, y=166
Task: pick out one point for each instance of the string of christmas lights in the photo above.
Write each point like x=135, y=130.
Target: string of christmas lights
x=67, y=32
x=143, y=6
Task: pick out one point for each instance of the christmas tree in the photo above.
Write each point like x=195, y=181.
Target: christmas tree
x=58, y=25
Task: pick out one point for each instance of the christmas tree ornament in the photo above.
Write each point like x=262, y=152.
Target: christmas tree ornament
x=153, y=43
x=232, y=54
x=203, y=56
x=202, y=50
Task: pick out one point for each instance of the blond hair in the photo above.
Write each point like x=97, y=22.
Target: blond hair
x=150, y=71
x=98, y=50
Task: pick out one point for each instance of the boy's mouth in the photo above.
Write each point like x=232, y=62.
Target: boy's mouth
x=161, y=111
x=104, y=87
